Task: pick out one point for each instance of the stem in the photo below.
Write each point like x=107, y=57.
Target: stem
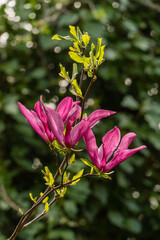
x=85, y=96
x=42, y=214
x=82, y=74
x=27, y=215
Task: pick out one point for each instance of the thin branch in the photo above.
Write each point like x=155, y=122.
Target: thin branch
x=7, y=199
x=149, y=4
x=85, y=96
x=42, y=214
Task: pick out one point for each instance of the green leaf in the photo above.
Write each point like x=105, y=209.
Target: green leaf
x=20, y=210
x=78, y=175
x=86, y=162
x=51, y=180
x=76, y=89
x=79, y=34
x=85, y=39
x=100, y=60
x=47, y=207
x=74, y=56
x=105, y=175
x=73, y=31
x=72, y=159
x=63, y=73
x=31, y=197
x=58, y=37
x=75, y=71
x=98, y=47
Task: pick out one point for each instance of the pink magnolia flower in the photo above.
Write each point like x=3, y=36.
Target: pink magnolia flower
x=71, y=135
x=101, y=156
x=38, y=118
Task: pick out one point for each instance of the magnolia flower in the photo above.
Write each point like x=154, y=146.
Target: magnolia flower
x=101, y=156
x=38, y=118
x=70, y=135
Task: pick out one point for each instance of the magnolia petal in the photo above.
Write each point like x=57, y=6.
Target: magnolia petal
x=92, y=148
x=94, y=117
x=56, y=125
x=78, y=131
x=72, y=116
x=120, y=157
x=32, y=121
x=64, y=108
x=126, y=141
x=110, y=142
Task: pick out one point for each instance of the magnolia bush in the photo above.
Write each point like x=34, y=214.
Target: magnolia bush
x=63, y=128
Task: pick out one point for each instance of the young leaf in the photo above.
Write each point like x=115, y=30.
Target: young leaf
x=51, y=180
x=76, y=89
x=92, y=169
x=65, y=178
x=20, y=210
x=74, y=56
x=106, y=176
x=98, y=47
x=78, y=175
x=75, y=71
x=31, y=197
x=79, y=34
x=86, y=162
x=47, y=207
x=73, y=31
x=72, y=159
x=58, y=37
x=100, y=60
x=45, y=200
x=63, y=73
x=85, y=39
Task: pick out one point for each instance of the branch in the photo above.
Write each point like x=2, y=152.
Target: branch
x=85, y=96
x=149, y=4
x=7, y=199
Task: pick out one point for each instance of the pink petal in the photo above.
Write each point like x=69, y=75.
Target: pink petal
x=126, y=141
x=56, y=125
x=64, y=107
x=78, y=131
x=32, y=120
x=42, y=116
x=110, y=142
x=72, y=116
x=92, y=148
x=94, y=117
x=121, y=156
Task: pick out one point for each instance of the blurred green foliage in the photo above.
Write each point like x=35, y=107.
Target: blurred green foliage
x=128, y=207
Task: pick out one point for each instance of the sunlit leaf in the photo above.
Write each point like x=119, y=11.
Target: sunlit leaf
x=78, y=175
x=72, y=159
x=85, y=39
x=75, y=71
x=47, y=207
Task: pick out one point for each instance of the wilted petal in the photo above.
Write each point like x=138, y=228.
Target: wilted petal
x=92, y=148
x=32, y=120
x=94, y=117
x=64, y=108
x=110, y=142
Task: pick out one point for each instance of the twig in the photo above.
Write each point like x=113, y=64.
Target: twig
x=7, y=199
x=27, y=215
x=149, y=4
x=85, y=96
x=42, y=214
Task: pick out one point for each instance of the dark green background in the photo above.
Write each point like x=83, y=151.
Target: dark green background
x=126, y=208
